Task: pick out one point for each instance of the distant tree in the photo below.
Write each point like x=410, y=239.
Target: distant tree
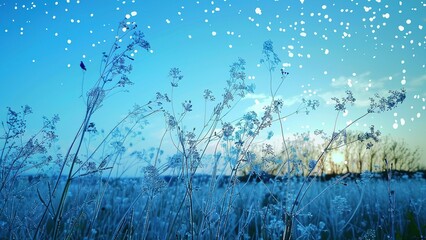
x=403, y=158
x=361, y=156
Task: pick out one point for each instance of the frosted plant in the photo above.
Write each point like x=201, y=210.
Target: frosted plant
x=153, y=183
x=114, y=74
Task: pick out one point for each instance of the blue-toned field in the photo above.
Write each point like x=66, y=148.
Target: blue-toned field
x=230, y=119
x=98, y=208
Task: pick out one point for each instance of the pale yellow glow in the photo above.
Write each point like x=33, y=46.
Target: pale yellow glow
x=338, y=157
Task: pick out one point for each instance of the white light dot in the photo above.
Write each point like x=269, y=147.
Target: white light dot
x=230, y=46
x=69, y=41
x=258, y=11
x=408, y=21
x=214, y=33
x=418, y=115
x=402, y=121
x=127, y=16
x=401, y=28
x=134, y=13
x=395, y=125
x=403, y=82
x=167, y=21
x=326, y=51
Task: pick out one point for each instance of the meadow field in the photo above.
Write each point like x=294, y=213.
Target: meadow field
x=102, y=208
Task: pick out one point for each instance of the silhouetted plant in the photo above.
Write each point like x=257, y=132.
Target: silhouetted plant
x=113, y=74
x=22, y=154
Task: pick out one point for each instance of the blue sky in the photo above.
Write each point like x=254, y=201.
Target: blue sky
x=327, y=46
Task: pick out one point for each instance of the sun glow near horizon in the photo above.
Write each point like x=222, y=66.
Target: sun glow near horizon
x=338, y=157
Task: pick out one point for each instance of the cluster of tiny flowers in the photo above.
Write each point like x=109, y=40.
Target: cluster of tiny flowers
x=340, y=204
x=16, y=123
x=49, y=127
x=152, y=180
x=247, y=125
x=190, y=138
x=237, y=71
x=95, y=97
x=31, y=147
x=310, y=104
x=187, y=106
x=162, y=97
x=138, y=38
x=208, y=95
x=195, y=157
x=235, y=86
x=267, y=118
x=119, y=66
x=277, y=105
x=176, y=76
x=381, y=104
x=268, y=149
x=269, y=55
x=341, y=103
x=124, y=81
x=171, y=121
x=227, y=130
x=227, y=98
x=373, y=134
